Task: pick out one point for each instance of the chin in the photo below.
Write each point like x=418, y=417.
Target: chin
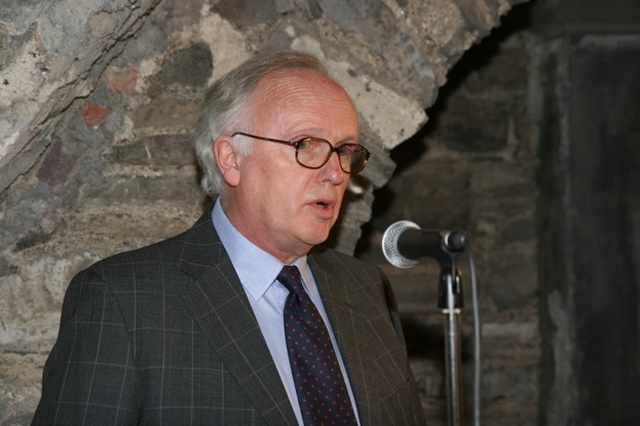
x=317, y=238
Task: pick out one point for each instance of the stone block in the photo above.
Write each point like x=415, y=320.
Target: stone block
x=132, y=189
x=248, y=12
x=504, y=74
x=189, y=67
x=138, y=223
x=121, y=79
x=466, y=129
x=510, y=344
x=434, y=193
x=167, y=114
x=56, y=166
x=375, y=24
x=30, y=301
x=388, y=115
x=515, y=382
x=154, y=151
x=512, y=282
x=510, y=411
x=19, y=372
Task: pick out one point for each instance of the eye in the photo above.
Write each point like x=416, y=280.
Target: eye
x=303, y=143
x=312, y=145
x=345, y=150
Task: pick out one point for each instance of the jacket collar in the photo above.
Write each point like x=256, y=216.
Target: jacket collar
x=221, y=309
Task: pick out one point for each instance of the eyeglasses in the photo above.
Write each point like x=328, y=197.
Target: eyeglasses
x=314, y=153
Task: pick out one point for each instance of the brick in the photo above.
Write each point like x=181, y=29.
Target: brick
x=57, y=165
x=94, y=114
x=121, y=79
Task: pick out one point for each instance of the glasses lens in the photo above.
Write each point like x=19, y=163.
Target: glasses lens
x=314, y=153
x=358, y=159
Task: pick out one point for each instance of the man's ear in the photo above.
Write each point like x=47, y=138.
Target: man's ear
x=228, y=160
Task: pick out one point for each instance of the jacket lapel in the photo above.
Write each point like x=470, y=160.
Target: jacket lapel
x=345, y=315
x=220, y=306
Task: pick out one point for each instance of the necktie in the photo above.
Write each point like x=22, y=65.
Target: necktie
x=322, y=392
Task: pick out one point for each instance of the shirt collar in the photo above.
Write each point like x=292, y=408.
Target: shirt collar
x=256, y=268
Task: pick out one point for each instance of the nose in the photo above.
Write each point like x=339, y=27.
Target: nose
x=333, y=170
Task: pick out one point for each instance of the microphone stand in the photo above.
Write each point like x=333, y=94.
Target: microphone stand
x=450, y=302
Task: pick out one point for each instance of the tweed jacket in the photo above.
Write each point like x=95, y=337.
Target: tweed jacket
x=166, y=335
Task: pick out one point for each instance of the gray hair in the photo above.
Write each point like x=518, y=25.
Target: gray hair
x=225, y=100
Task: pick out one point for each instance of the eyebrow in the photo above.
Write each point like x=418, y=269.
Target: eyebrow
x=312, y=131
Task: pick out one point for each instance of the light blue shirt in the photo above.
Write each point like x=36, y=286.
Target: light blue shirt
x=258, y=271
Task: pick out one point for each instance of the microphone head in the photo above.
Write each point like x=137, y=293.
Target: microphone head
x=390, y=244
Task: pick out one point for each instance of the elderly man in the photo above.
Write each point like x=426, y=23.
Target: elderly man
x=236, y=321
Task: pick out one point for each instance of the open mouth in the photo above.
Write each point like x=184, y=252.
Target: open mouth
x=326, y=205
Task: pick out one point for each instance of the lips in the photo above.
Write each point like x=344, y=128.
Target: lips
x=324, y=206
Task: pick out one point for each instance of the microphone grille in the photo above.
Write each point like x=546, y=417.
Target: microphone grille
x=390, y=244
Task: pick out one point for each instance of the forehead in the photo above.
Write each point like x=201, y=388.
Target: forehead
x=301, y=92
x=297, y=79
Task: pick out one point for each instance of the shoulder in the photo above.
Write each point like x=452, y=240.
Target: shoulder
x=161, y=252
x=158, y=251
x=354, y=274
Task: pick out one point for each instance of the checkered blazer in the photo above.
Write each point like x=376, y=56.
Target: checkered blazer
x=165, y=335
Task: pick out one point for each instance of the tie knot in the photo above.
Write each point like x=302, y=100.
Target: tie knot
x=290, y=278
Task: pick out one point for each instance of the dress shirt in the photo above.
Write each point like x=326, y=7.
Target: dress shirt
x=258, y=271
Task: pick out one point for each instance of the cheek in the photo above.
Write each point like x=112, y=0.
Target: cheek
x=277, y=196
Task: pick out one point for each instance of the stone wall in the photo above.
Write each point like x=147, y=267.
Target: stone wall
x=589, y=215
x=97, y=103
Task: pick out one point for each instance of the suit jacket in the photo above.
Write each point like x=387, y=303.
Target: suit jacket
x=166, y=335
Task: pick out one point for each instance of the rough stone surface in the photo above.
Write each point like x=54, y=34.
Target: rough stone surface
x=56, y=52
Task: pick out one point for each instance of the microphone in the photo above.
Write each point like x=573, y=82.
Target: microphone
x=404, y=242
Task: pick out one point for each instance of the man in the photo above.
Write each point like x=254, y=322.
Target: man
x=202, y=328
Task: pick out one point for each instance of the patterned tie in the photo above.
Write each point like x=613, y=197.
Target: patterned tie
x=322, y=393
